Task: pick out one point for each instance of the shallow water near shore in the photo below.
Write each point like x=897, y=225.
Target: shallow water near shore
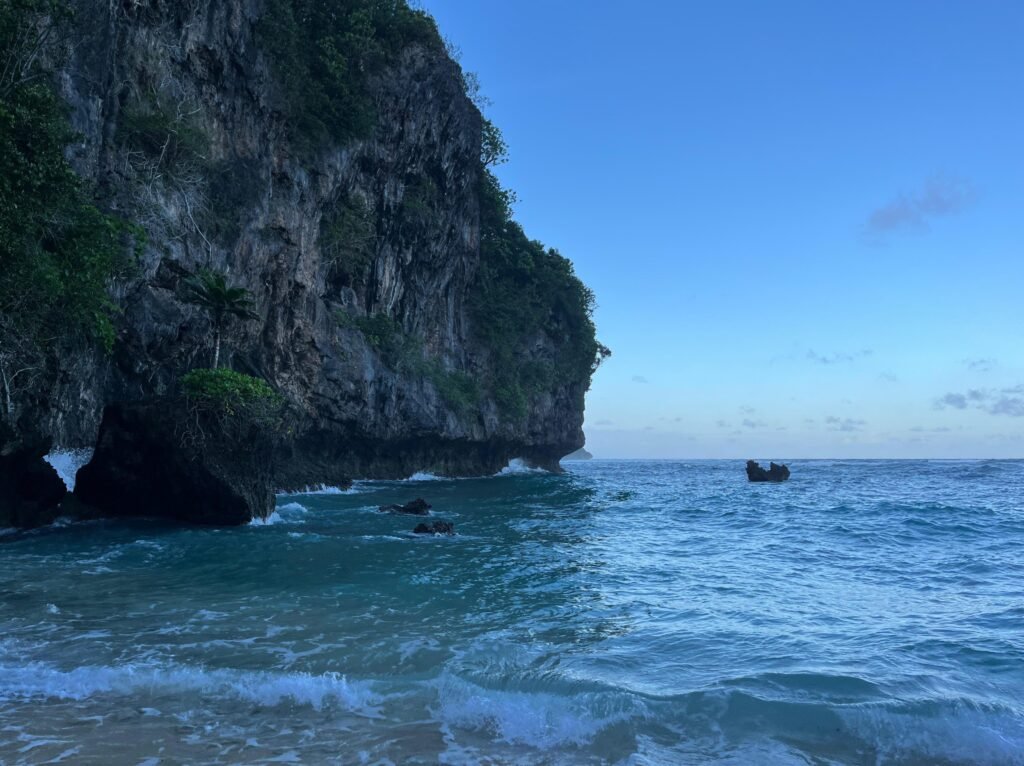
x=865, y=612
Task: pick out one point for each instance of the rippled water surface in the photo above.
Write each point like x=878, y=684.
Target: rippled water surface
x=627, y=612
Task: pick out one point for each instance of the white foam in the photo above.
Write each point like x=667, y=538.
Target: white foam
x=518, y=465
x=273, y=518
x=424, y=476
x=289, y=513
x=41, y=680
x=538, y=719
x=324, y=489
x=67, y=462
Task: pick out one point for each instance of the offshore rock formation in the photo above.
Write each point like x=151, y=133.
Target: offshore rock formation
x=362, y=256
x=775, y=472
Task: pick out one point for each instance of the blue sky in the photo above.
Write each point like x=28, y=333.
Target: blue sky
x=804, y=221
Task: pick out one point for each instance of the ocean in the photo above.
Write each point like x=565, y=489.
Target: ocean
x=627, y=612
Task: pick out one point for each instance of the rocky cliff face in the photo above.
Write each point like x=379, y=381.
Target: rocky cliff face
x=361, y=257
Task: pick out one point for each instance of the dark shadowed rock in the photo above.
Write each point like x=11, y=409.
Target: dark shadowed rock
x=30, y=489
x=417, y=507
x=435, y=528
x=775, y=472
x=147, y=464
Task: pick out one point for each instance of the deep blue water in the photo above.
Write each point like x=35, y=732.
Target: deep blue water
x=865, y=612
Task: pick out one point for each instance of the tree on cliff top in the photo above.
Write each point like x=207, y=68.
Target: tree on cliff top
x=210, y=290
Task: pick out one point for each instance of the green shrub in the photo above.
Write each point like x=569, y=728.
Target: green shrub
x=228, y=409
x=522, y=290
x=58, y=250
x=227, y=391
x=382, y=332
x=164, y=136
x=405, y=353
x=347, y=237
x=458, y=389
x=323, y=54
x=420, y=200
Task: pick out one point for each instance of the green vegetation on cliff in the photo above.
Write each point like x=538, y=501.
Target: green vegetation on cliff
x=227, y=408
x=226, y=390
x=323, y=53
x=524, y=291
x=58, y=250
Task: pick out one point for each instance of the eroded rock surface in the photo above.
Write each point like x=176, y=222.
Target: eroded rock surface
x=30, y=489
x=417, y=507
x=435, y=528
x=256, y=207
x=147, y=464
x=776, y=472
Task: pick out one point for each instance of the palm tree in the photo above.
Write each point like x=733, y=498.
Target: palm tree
x=210, y=290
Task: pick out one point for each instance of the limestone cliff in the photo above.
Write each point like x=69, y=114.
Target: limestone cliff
x=363, y=256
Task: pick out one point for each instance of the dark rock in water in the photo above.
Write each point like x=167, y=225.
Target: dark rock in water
x=417, y=507
x=435, y=528
x=30, y=489
x=775, y=472
x=145, y=464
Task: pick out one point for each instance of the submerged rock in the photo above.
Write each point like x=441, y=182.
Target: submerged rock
x=435, y=528
x=30, y=489
x=147, y=464
x=417, y=507
x=775, y=472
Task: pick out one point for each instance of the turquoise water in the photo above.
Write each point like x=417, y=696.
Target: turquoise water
x=627, y=613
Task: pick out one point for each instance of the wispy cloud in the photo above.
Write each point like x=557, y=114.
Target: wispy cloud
x=640, y=379
x=604, y=423
x=980, y=365
x=1007, y=405
x=940, y=197
x=956, y=401
x=889, y=377
x=995, y=401
x=837, y=358
x=748, y=423
x=846, y=425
